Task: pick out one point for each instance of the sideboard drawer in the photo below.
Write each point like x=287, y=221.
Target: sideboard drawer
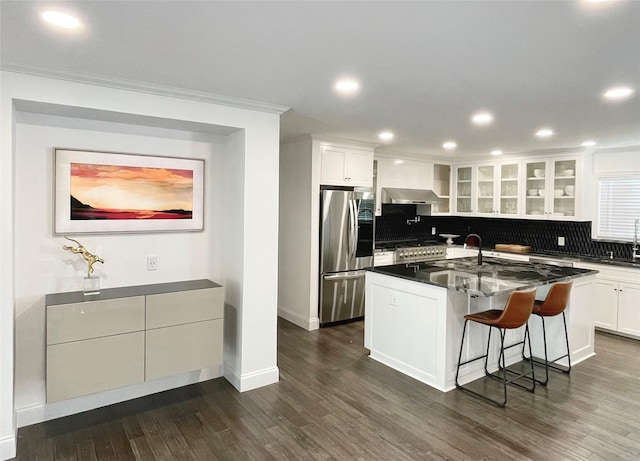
x=78, y=321
x=183, y=307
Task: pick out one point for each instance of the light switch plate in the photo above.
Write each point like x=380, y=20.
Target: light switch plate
x=560, y=241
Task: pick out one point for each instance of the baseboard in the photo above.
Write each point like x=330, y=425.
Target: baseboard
x=45, y=412
x=254, y=380
x=8, y=447
x=308, y=324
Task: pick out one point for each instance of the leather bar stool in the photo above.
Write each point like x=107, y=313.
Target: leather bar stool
x=554, y=304
x=515, y=314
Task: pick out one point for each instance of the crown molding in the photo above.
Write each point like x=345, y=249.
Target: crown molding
x=140, y=87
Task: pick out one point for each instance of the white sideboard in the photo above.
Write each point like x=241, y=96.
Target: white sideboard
x=128, y=335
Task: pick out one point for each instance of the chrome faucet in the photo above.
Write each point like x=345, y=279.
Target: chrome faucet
x=634, y=249
x=415, y=220
x=479, y=246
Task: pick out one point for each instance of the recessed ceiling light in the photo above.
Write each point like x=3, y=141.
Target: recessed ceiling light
x=544, y=133
x=621, y=92
x=482, y=118
x=588, y=143
x=449, y=145
x=496, y=152
x=347, y=86
x=60, y=19
x=386, y=135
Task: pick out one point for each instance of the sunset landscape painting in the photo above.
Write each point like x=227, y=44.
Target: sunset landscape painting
x=126, y=192
x=104, y=192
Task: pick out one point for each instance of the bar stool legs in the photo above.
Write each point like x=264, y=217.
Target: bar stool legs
x=546, y=362
x=554, y=304
x=503, y=374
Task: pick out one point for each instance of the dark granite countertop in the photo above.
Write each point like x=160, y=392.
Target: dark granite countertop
x=494, y=276
x=594, y=259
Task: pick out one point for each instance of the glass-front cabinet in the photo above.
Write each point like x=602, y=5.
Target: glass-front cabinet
x=497, y=189
x=509, y=187
x=485, y=190
x=464, y=187
x=442, y=188
x=551, y=188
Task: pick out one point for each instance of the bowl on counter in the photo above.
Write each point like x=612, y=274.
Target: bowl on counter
x=538, y=173
x=558, y=193
x=532, y=192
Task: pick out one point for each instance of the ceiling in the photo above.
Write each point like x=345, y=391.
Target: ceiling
x=424, y=67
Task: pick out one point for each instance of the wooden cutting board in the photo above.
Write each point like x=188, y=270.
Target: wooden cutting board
x=513, y=248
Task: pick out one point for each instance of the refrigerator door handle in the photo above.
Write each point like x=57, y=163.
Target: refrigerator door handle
x=353, y=229
x=356, y=227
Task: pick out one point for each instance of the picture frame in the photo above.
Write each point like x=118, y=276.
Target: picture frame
x=109, y=192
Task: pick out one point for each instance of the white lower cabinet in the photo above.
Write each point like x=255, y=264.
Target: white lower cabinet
x=129, y=335
x=617, y=293
x=629, y=308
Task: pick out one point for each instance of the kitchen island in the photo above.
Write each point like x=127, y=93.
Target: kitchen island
x=414, y=314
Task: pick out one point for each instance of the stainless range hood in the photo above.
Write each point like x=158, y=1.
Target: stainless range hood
x=408, y=196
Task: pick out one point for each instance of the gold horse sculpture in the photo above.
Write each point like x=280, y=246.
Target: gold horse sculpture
x=82, y=251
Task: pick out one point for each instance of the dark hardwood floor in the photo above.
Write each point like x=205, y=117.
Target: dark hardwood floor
x=333, y=402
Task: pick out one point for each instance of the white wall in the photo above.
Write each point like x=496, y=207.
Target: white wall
x=239, y=245
x=39, y=254
x=295, y=289
x=617, y=160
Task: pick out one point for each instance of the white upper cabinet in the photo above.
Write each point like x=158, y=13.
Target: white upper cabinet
x=545, y=188
x=342, y=166
x=551, y=188
x=414, y=174
x=442, y=188
x=405, y=174
x=497, y=189
x=465, y=190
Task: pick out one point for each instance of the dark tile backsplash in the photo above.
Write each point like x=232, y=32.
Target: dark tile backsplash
x=542, y=236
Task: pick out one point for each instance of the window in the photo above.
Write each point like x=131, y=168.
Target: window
x=618, y=207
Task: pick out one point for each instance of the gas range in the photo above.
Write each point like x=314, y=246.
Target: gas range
x=406, y=251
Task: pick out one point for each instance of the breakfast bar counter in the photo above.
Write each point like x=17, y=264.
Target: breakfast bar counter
x=414, y=314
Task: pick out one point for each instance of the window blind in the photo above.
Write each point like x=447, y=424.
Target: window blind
x=618, y=207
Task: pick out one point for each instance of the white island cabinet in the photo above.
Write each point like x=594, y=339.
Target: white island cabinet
x=414, y=320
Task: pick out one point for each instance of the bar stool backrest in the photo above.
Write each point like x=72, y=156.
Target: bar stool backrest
x=517, y=309
x=557, y=299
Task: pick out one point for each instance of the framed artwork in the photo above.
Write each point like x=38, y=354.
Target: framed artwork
x=105, y=192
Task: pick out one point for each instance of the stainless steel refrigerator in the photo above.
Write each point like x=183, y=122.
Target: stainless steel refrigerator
x=346, y=248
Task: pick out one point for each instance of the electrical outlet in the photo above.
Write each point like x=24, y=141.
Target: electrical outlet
x=152, y=263
x=560, y=241
x=433, y=231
